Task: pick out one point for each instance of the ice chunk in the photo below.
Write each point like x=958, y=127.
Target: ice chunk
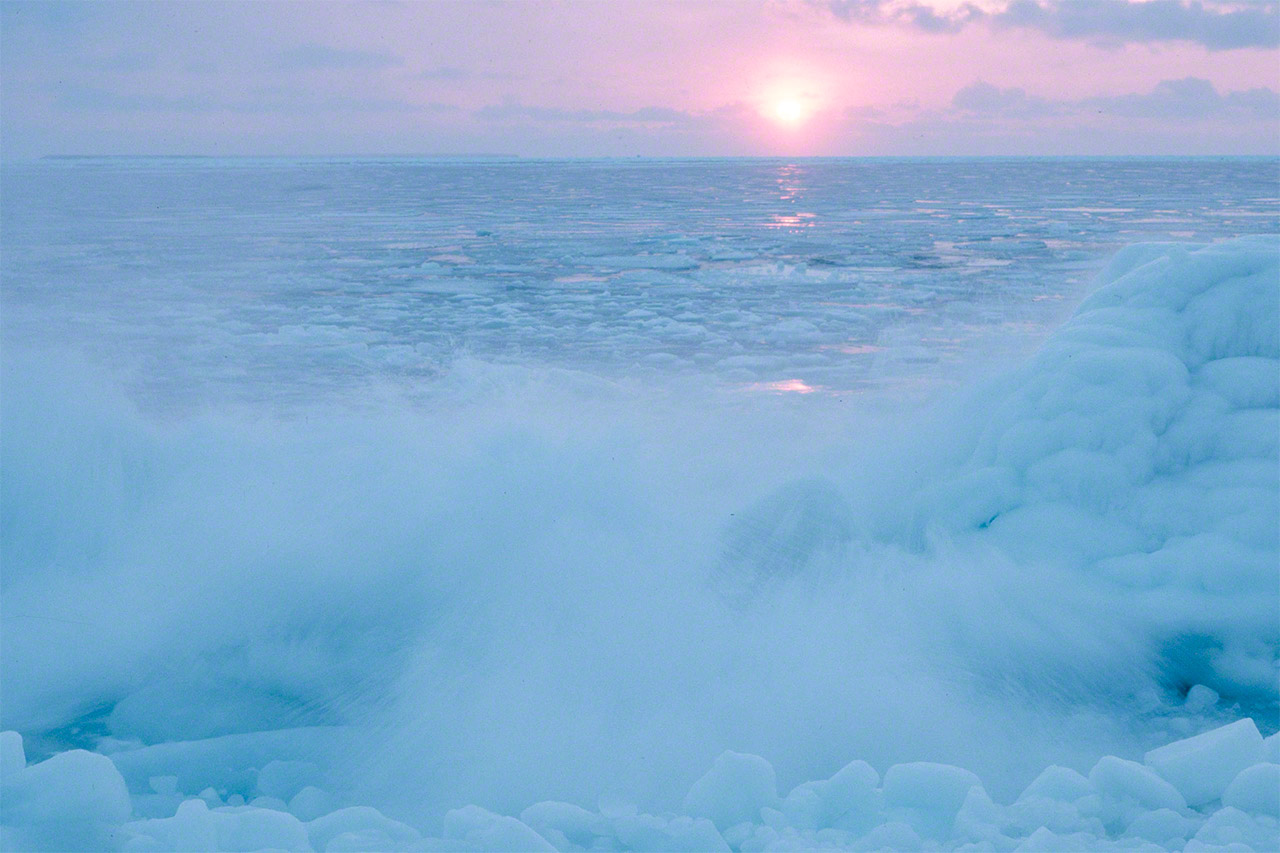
x=894, y=835
x=1061, y=784
x=927, y=795
x=245, y=828
x=358, y=820
x=483, y=830
x=1200, y=698
x=164, y=785
x=734, y=790
x=240, y=828
x=1122, y=780
x=366, y=841
x=310, y=803
x=1229, y=826
x=979, y=820
x=1255, y=790
x=192, y=827
x=1162, y=826
x=847, y=801
x=1044, y=840
x=574, y=823
x=1271, y=749
x=273, y=803
x=71, y=787
x=12, y=756
x=1201, y=767
x=682, y=833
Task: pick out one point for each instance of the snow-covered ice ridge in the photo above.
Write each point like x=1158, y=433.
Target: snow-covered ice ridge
x=1217, y=791
x=1136, y=453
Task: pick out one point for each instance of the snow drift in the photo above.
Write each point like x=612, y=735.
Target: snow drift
x=266, y=626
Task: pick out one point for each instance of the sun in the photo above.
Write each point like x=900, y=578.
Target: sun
x=789, y=111
x=791, y=95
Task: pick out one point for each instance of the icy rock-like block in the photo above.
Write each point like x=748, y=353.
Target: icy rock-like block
x=1162, y=826
x=165, y=786
x=1255, y=790
x=894, y=835
x=928, y=795
x=71, y=787
x=1271, y=749
x=847, y=801
x=1230, y=826
x=366, y=841
x=358, y=820
x=1201, y=698
x=1060, y=784
x=734, y=790
x=272, y=803
x=247, y=829
x=979, y=820
x=574, y=823
x=310, y=803
x=682, y=833
x=1201, y=767
x=1044, y=840
x=483, y=830
x=12, y=756
x=1123, y=781
x=244, y=828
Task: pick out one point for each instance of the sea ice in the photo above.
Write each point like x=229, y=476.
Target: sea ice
x=1201, y=767
x=734, y=790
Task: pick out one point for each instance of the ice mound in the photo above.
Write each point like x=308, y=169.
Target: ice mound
x=76, y=800
x=1140, y=447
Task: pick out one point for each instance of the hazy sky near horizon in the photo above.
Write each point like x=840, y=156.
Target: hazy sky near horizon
x=620, y=78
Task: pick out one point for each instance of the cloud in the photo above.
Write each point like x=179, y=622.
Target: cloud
x=1190, y=98
x=1213, y=24
x=983, y=97
x=313, y=56
x=644, y=115
x=79, y=98
x=445, y=72
x=455, y=74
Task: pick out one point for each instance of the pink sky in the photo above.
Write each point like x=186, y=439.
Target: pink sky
x=875, y=77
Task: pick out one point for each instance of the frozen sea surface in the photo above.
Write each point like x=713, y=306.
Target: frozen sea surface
x=209, y=280
x=413, y=505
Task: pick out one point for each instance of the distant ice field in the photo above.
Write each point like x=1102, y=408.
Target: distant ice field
x=285, y=281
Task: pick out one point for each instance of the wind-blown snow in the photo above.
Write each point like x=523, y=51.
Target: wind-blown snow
x=538, y=608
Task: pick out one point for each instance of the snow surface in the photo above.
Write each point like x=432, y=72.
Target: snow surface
x=251, y=599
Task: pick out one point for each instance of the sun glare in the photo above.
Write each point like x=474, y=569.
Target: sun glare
x=789, y=111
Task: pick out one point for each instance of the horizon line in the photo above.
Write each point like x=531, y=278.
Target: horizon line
x=634, y=157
